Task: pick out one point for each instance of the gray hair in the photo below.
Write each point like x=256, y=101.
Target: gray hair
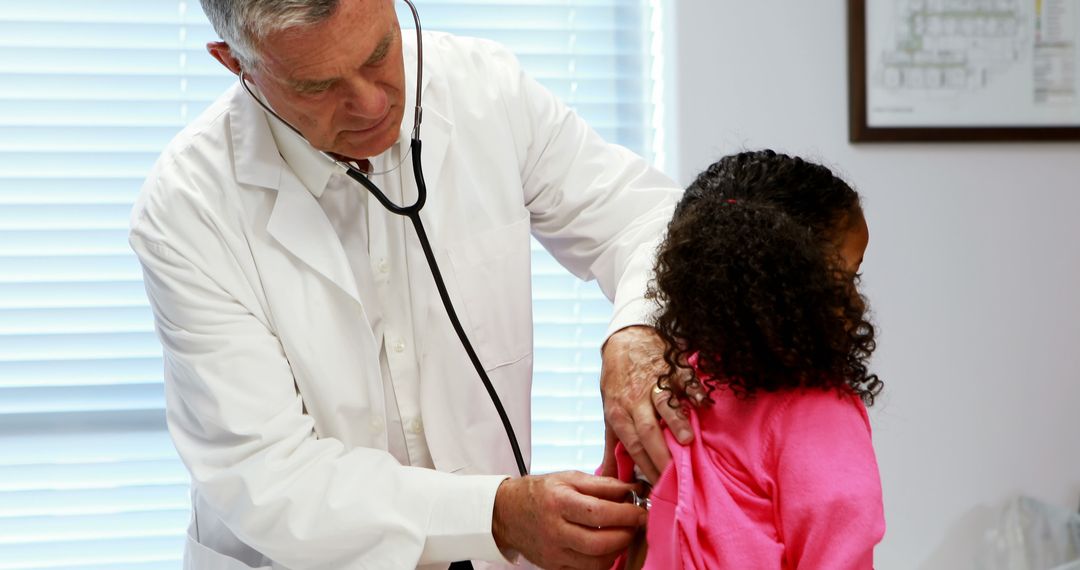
x=244, y=23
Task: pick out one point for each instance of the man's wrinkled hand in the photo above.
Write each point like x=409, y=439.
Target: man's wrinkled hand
x=633, y=361
x=566, y=520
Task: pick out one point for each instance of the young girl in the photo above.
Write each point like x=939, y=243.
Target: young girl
x=758, y=283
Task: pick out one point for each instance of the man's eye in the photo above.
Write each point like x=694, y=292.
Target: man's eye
x=316, y=89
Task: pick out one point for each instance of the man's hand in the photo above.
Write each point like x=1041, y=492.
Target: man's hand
x=633, y=360
x=565, y=520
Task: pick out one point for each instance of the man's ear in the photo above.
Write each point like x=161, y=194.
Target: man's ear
x=223, y=53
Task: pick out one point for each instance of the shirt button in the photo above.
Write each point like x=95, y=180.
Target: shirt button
x=399, y=346
x=384, y=266
x=416, y=426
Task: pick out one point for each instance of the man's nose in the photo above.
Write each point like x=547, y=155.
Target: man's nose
x=365, y=98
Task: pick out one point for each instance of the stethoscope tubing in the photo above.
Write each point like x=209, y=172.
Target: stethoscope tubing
x=412, y=212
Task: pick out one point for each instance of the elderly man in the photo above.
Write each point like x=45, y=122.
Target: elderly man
x=315, y=389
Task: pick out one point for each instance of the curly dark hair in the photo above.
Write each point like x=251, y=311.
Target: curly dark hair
x=750, y=279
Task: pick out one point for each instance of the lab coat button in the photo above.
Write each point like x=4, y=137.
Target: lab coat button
x=376, y=424
x=384, y=266
x=399, y=346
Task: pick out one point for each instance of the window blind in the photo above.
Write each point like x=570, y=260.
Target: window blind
x=90, y=92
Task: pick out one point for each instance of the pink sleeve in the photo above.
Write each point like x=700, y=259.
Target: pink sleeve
x=828, y=495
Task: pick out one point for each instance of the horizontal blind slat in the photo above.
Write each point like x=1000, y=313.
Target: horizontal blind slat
x=83, y=476
x=89, y=95
x=98, y=370
x=128, y=553
x=65, y=399
x=88, y=502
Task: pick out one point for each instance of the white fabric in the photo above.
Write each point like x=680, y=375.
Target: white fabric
x=374, y=242
x=275, y=397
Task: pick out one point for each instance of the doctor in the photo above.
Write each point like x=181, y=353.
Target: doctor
x=315, y=389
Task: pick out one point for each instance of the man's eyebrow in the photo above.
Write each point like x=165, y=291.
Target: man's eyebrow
x=312, y=85
x=381, y=50
x=309, y=85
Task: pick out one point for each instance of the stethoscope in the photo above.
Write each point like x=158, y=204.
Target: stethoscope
x=413, y=214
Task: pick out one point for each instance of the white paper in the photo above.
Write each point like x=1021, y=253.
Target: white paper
x=973, y=63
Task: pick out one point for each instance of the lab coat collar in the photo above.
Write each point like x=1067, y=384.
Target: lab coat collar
x=256, y=159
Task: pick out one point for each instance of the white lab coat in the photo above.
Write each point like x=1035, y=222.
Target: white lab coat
x=273, y=390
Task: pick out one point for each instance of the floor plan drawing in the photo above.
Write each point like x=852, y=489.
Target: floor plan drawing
x=956, y=61
x=953, y=44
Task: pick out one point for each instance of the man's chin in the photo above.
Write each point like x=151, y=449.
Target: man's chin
x=366, y=148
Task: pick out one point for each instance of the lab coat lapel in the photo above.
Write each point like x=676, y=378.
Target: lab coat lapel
x=435, y=126
x=435, y=132
x=300, y=226
x=297, y=222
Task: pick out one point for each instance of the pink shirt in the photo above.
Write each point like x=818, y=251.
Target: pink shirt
x=786, y=480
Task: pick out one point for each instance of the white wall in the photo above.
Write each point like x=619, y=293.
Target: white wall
x=973, y=271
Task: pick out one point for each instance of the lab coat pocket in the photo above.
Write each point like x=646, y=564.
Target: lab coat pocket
x=200, y=557
x=492, y=270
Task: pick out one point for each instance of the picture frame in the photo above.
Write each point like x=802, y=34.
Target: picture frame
x=963, y=70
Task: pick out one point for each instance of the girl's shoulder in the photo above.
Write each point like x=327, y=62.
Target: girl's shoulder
x=821, y=403
x=765, y=408
x=816, y=421
x=768, y=421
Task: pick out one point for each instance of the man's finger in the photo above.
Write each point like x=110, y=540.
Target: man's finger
x=697, y=394
x=597, y=513
x=676, y=420
x=627, y=432
x=686, y=388
x=606, y=488
x=655, y=446
x=636, y=448
x=609, y=467
x=592, y=541
x=693, y=389
x=573, y=560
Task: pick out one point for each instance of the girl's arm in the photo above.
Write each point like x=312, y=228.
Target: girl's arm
x=829, y=505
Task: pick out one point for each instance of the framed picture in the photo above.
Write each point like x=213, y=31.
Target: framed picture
x=964, y=70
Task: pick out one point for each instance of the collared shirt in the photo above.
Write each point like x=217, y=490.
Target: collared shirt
x=374, y=242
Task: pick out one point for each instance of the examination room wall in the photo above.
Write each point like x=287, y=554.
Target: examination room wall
x=973, y=272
